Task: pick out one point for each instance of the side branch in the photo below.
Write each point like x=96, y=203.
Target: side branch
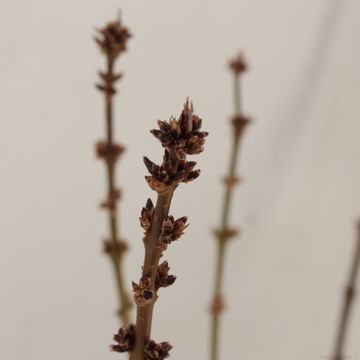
x=179, y=137
x=349, y=295
x=150, y=267
x=112, y=42
x=224, y=233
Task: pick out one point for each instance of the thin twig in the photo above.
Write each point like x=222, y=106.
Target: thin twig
x=349, y=295
x=112, y=42
x=224, y=233
x=151, y=263
x=180, y=138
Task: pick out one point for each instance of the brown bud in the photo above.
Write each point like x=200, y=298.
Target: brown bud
x=163, y=279
x=109, y=78
x=142, y=291
x=182, y=136
x=106, y=88
x=115, y=249
x=146, y=215
x=152, y=167
x=226, y=233
x=109, y=152
x=112, y=39
x=192, y=175
x=154, y=351
x=231, y=181
x=157, y=185
x=125, y=339
x=239, y=123
x=217, y=305
x=171, y=230
x=238, y=64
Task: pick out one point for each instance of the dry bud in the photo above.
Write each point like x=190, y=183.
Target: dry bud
x=230, y=181
x=112, y=38
x=182, y=136
x=109, y=77
x=171, y=230
x=117, y=249
x=107, y=88
x=238, y=64
x=169, y=173
x=147, y=213
x=142, y=291
x=109, y=152
x=154, y=351
x=239, y=123
x=226, y=234
x=125, y=339
x=163, y=279
x=217, y=305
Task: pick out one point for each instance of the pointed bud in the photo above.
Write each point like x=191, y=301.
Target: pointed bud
x=193, y=175
x=150, y=165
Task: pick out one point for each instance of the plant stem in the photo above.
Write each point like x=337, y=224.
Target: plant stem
x=237, y=95
x=222, y=241
x=179, y=138
x=224, y=233
x=116, y=257
x=349, y=295
x=151, y=262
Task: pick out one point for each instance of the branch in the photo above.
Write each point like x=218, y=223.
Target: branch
x=112, y=41
x=224, y=233
x=180, y=138
x=349, y=296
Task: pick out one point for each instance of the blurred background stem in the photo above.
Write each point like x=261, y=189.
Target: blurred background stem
x=224, y=233
x=349, y=295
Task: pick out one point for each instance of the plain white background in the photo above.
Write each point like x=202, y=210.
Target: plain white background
x=300, y=162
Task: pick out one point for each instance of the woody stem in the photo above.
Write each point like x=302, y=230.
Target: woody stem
x=349, y=294
x=221, y=239
x=150, y=266
x=115, y=256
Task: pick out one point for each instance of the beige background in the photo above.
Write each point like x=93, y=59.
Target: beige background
x=300, y=164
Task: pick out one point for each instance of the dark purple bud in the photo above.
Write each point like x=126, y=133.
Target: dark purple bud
x=150, y=165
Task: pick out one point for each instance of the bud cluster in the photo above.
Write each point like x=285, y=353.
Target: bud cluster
x=109, y=80
x=154, y=351
x=239, y=123
x=115, y=249
x=183, y=135
x=179, y=138
x=125, y=340
x=170, y=173
x=238, y=64
x=112, y=39
x=143, y=293
x=163, y=279
x=109, y=152
x=171, y=230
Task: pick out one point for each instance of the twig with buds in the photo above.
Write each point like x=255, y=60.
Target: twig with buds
x=224, y=233
x=180, y=138
x=349, y=295
x=112, y=41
